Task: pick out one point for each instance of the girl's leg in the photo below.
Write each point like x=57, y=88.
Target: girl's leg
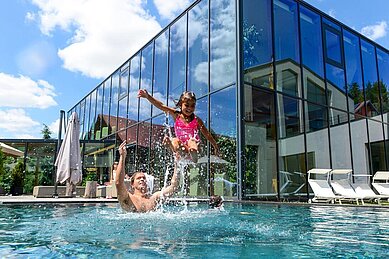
x=193, y=149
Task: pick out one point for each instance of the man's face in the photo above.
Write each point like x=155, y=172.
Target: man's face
x=140, y=181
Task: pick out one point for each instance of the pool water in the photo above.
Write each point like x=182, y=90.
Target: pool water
x=241, y=231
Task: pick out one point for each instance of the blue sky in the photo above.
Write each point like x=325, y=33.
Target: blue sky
x=54, y=52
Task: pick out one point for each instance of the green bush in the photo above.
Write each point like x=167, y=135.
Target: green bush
x=17, y=179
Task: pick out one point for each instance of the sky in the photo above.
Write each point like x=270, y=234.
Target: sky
x=54, y=52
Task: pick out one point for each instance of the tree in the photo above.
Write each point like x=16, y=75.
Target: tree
x=46, y=132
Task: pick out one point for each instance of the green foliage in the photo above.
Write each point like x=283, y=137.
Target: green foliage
x=5, y=176
x=17, y=178
x=46, y=132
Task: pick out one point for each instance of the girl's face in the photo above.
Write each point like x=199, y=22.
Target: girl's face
x=188, y=107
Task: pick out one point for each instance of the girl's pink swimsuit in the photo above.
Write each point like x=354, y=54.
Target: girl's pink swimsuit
x=184, y=132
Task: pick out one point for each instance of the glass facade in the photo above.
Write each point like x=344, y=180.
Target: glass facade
x=283, y=89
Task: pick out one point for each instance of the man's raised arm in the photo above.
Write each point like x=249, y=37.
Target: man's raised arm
x=123, y=195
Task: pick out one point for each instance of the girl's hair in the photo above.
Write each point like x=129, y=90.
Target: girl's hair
x=186, y=96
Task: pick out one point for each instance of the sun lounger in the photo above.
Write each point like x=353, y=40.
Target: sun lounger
x=381, y=182
x=321, y=187
x=343, y=186
x=365, y=191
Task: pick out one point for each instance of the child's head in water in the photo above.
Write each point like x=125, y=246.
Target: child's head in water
x=187, y=103
x=215, y=201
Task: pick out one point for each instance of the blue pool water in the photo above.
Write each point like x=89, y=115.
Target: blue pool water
x=242, y=231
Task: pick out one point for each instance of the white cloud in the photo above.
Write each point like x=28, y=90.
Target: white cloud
x=332, y=13
x=375, y=32
x=18, y=124
x=54, y=127
x=104, y=33
x=169, y=9
x=23, y=92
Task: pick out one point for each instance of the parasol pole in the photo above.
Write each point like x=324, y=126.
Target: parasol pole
x=61, y=119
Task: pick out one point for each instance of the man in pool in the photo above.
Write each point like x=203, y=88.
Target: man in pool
x=138, y=199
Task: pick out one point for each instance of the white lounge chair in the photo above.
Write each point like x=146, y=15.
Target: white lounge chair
x=343, y=186
x=381, y=182
x=321, y=187
x=365, y=191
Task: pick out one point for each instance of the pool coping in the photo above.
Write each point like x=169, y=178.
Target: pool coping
x=29, y=199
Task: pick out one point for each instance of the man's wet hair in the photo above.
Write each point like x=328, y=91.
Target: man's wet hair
x=215, y=201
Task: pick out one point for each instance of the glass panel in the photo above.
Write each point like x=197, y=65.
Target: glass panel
x=133, y=90
x=160, y=70
x=286, y=31
x=131, y=148
x=333, y=49
x=288, y=78
x=114, y=102
x=260, y=143
x=289, y=117
x=81, y=117
x=370, y=80
x=292, y=172
x=223, y=128
x=86, y=118
x=99, y=111
x=122, y=114
x=359, y=147
x=317, y=136
x=383, y=68
x=336, y=87
x=159, y=158
x=106, y=105
x=257, y=33
x=146, y=81
x=198, y=49
x=353, y=73
x=311, y=43
x=92, y=116
x=315, y=88
x=39, y=165
x=223, y=43
x=98, y=161
x=340, y=140
x=143, y=146
x=376, y=138
x=177, y=64
x=123, y=90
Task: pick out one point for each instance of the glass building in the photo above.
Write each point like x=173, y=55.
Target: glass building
x=282, y=87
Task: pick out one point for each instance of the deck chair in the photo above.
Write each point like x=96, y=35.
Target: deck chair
x=343, y=186
x=381, y=182
x=321, y=188
x=365, y=191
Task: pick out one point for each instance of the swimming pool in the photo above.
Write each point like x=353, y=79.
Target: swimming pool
x=242, y=230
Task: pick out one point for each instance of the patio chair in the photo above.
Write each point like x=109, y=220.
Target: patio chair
x=343, y=186
x=321, y=187
x=381, y=182
x=365, y=191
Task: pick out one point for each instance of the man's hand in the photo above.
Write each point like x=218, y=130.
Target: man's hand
x=123, y=149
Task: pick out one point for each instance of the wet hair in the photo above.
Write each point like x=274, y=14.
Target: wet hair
x=186, y=96
x=215, y=201
x=132, y=178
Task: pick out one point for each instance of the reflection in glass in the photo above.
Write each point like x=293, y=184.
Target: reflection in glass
x=289, y=117
x=223, y=127
x=333, y=49
x=106, y=106
x=288, y=78
x=198, y=49
x=383, y=69
x=359, y=144
x=160, y=70
x=98, y=160
x=317, y=136
x=146, y=81
x=81, y=116
x=336, y=87
x=376, y=138
x=86, y=117
x=223, y=44
x=340, y=141
x=92, y=116
x=311, y=43
x=177, y=64
x=114, y=102
x=133, y=90
x=257, y=45
x=372, y=107
x=260, y=143
x=286, y=30
x=143, y=146
x=99, y=111
x=353, y=72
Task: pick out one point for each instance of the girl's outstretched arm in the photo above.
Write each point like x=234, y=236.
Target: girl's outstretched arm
x=208, y=135
x=144, y=94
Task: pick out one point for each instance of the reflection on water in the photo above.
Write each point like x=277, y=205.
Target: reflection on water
x=239, y=231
